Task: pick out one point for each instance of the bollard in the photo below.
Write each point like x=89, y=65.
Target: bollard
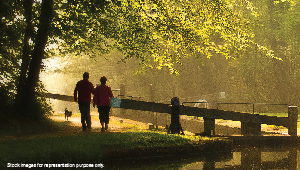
x=175, y=126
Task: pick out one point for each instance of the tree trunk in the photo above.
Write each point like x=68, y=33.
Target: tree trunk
x=28, y=98
x=26, y=50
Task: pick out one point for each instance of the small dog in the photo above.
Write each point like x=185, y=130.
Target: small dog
x=67, y=114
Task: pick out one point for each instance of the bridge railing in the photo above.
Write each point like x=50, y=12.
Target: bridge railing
x=253, y=104
x=250, y=122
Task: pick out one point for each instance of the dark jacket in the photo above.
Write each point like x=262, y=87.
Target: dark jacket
x=84, y=89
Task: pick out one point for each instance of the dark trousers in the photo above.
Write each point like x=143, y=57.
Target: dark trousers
x=84, y=108
x=104, y=114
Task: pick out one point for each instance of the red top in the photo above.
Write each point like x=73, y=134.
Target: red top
x=102, y=95
x=84, y=89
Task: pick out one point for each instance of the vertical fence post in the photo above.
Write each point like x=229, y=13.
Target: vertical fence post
x=122, y=90
x=151, y=93
x=293, y=118
x=175, y=126
x=122, y=96
x=151, y=99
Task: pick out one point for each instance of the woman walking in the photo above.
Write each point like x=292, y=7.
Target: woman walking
x=102, y=97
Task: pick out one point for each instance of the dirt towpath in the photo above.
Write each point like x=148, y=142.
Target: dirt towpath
x=116, y=124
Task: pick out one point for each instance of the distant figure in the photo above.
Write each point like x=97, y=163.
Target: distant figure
x=101, y=99
x=84, y=89
x=67, y=114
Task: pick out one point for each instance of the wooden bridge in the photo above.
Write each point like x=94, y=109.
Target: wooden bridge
x=250, y=123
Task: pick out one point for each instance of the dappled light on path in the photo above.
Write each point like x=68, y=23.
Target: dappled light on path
x=116, y=124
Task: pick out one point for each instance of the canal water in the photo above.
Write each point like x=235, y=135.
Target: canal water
x=247, y=158
x=242, y=158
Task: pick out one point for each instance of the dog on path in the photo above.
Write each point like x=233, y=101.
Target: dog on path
x=67, y=114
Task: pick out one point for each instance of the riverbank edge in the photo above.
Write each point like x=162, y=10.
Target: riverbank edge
x=212, y=147
x=207, y=146
x=264, y=141
x=109, y=154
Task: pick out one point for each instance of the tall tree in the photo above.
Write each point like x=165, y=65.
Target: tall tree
x=26, y=98
x=29, y=32
x=159, y=33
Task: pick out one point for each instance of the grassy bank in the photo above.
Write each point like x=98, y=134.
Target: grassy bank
x=51, y=142
x=101, y=147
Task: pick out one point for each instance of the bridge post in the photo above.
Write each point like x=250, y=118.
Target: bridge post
x=209, y=126
x=293, y=118
x=250, y=128
x=175, y=126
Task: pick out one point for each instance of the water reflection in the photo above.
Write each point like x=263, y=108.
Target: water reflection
x=253, y=158
x=177, y=162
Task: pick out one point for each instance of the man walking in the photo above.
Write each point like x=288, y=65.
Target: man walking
x=84, y=89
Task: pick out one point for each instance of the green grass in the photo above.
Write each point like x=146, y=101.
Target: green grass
x=100, y=147
x=279, y=115
x=274, y=114
x=50, y=142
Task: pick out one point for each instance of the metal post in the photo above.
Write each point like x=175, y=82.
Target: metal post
x=175, y=126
